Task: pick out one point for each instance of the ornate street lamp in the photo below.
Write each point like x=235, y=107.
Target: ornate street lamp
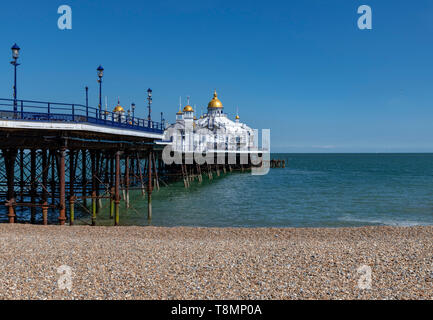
x=100, y=75
x=133, y=112
x=15, y=54
x=149, y=100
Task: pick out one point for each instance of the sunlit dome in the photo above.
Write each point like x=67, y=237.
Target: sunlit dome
x=215, y=102
x=188, y=108
x=118, y=108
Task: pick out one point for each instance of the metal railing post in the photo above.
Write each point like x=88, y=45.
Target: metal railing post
x=22, y=110
x=49, y=110
x=73, y=112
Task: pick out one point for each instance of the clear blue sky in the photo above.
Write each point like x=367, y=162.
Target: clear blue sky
x=301, y=68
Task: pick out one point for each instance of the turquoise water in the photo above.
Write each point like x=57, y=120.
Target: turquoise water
x=315, y=190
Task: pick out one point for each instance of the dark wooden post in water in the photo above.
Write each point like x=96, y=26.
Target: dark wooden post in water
x=112, y=193
x=53, y=176
x=62, y=188
x=45, y=168
x=33, y=185
x=97, y=180
x=155, y=168
x=127, y=180
x=93, y=161
x=149, y=187
x=117, y=186
x=84, y=176
x=71, y=187
x=141, y=175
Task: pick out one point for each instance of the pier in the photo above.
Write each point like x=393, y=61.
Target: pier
x=56, y=157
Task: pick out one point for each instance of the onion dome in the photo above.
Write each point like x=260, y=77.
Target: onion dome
x=118, y=108
x=215, y=102
x=237, y=118
x=188, y=108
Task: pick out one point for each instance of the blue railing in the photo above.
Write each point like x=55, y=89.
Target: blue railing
x=65, y=112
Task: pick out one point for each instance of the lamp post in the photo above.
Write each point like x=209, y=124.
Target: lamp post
x=15, y=54
x=162, y=121
x=100, y=75
x=149, y=100
x=133, y=113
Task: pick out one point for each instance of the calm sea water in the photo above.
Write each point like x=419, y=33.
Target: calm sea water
x=315, y=190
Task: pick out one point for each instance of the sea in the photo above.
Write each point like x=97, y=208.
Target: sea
x=314, y=190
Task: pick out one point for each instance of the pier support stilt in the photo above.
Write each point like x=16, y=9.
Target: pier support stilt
x=71, y=187
x=84, y=176
x=45, y=168
x=156, y=172
x=149, y=187
x=141, y=175
x=33, y=185
x=127, y=181
x=112, y=194
x=62, y=187
x=45, y=213
x=93, y=160
x=112, y=200
x=117, y=186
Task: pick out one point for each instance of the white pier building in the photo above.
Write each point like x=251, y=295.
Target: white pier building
x=212, y=132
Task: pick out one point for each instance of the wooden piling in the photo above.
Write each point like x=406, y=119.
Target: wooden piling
x=33, y=185
x=127, y=180
x=45, y=168
x=71, y=187
x=84, y=176
x=117, y=186
x=93, y=161
x=149, y=187
x=156, y=172
x=112, y=192
x=62, y=188
x=141, y=175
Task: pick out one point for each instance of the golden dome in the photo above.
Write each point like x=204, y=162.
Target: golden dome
x=215, y=102
x=118, y=108
x=188, y=108
x=237, y=118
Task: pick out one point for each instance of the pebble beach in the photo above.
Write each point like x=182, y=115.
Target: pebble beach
x=203, y=263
